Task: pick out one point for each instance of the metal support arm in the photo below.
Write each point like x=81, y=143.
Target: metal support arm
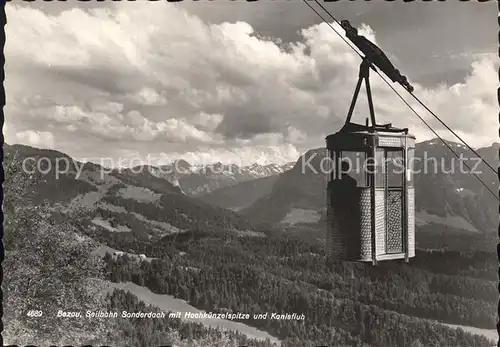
x=364, y=74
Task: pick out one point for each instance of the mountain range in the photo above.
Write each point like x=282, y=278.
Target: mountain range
x=196, y=180
x=454, y=198
x=180, y=193
x=132, y=204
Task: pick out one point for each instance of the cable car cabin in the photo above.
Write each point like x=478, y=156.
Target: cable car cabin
x=371, y=208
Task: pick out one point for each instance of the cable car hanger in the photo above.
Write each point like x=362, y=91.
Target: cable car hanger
x=396, y=92
x=375, y=56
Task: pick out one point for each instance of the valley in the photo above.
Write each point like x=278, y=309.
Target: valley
x=169, y=303
x=147, y=241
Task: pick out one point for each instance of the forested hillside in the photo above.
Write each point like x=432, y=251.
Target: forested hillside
x=49, y=267
x=394, y=304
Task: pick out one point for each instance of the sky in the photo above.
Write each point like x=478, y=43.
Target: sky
x=236, y=82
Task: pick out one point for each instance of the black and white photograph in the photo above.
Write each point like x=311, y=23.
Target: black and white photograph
x=267, y=173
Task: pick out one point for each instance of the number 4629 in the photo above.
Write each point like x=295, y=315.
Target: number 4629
x=34, y=313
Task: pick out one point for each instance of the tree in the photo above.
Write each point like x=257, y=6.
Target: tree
x=49, y=268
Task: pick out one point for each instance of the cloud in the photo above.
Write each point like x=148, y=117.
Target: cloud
x=155, y=80
x=149, y=96
x=279, y=154
x=42, y=139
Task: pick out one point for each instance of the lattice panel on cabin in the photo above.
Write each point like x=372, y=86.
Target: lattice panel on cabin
x=334, y=242
x=394, y=239
x=380, y=221
x=389, y=141
x=366, y=226
x=411, y=222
